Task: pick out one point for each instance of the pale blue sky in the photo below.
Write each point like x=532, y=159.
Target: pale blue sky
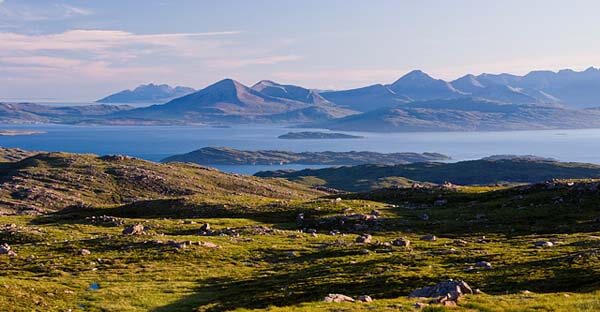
x=82, y=50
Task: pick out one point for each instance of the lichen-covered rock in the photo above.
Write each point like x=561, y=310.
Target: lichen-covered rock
x=364, y=239
x=401, y=242
x=136, y=229
x=338, y=298
x=449, y=290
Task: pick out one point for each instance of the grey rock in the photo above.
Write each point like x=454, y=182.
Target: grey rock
x=136, y=229
x=364, y=298
x=448, y=290
x=338, y=298
x=483, y=264
x=401, y=242
x=364, y=239
x=429, y=237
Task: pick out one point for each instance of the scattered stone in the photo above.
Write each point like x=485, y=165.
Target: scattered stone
x=205, y=227
x=460, y=242
x=483, y=264
x=364, y=239
x=5, y=250
x=136, y=229
x=401, y=242
x=84, y=252
x=542, y=244
x=420, y=305
x=208, y=245
x=291, y=254
x=338, y=298
x=448, y=291
x=429, y=237
x=105, y=220
x=364, y=298
x=177, y=245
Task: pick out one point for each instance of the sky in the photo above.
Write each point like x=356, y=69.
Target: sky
x=82, y=50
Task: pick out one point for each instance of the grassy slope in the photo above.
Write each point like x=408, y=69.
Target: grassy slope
x=366, y=177
x=256, y=271
x=52, y=181
x=14, y=154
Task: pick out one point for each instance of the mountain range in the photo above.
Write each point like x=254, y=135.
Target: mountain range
x=414, y=102
x=149, y=93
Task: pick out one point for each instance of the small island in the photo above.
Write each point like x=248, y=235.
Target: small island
x=312, y=135
x=19, y=132
x=228, y=156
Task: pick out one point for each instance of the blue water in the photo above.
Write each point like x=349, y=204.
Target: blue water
x=155, y=143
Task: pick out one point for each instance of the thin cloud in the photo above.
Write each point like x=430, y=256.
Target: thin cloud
x=23, y=13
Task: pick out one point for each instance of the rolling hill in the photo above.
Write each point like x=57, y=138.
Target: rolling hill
x=475, y=172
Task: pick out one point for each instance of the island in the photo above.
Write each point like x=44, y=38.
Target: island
x=19, y=132
x=311, y=135
x=229, y=156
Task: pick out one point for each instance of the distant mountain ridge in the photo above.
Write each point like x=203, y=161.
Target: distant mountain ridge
x=147, y=93
x=415, y=102
x=229, y=100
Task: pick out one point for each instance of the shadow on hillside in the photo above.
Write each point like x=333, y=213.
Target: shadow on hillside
x=179, y=209
x=290, y=283
x=284, y=286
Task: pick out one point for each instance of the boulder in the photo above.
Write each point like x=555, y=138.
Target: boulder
x=449, y=290
x=483, y=264
x=136, y=229
x=5, y=250
x=424, y=217
x=84, y=252
x=429, y=237
x=375, y=213
x=205, y=227
x=542, y=244
x=364, y=298
x=401, y=242
x=460, y=242
x=338, y=298
x=364, y=239
x=208, y=244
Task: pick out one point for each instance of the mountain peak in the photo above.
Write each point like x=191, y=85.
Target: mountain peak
x=417, y=85
x=150, y=92
x=259, y=86
x=416, y=74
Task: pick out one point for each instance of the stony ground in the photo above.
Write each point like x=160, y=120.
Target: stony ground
x=533, y=248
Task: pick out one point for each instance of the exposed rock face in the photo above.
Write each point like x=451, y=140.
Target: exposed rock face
x=447, y=291
x=136, y=229
x=338, y=298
